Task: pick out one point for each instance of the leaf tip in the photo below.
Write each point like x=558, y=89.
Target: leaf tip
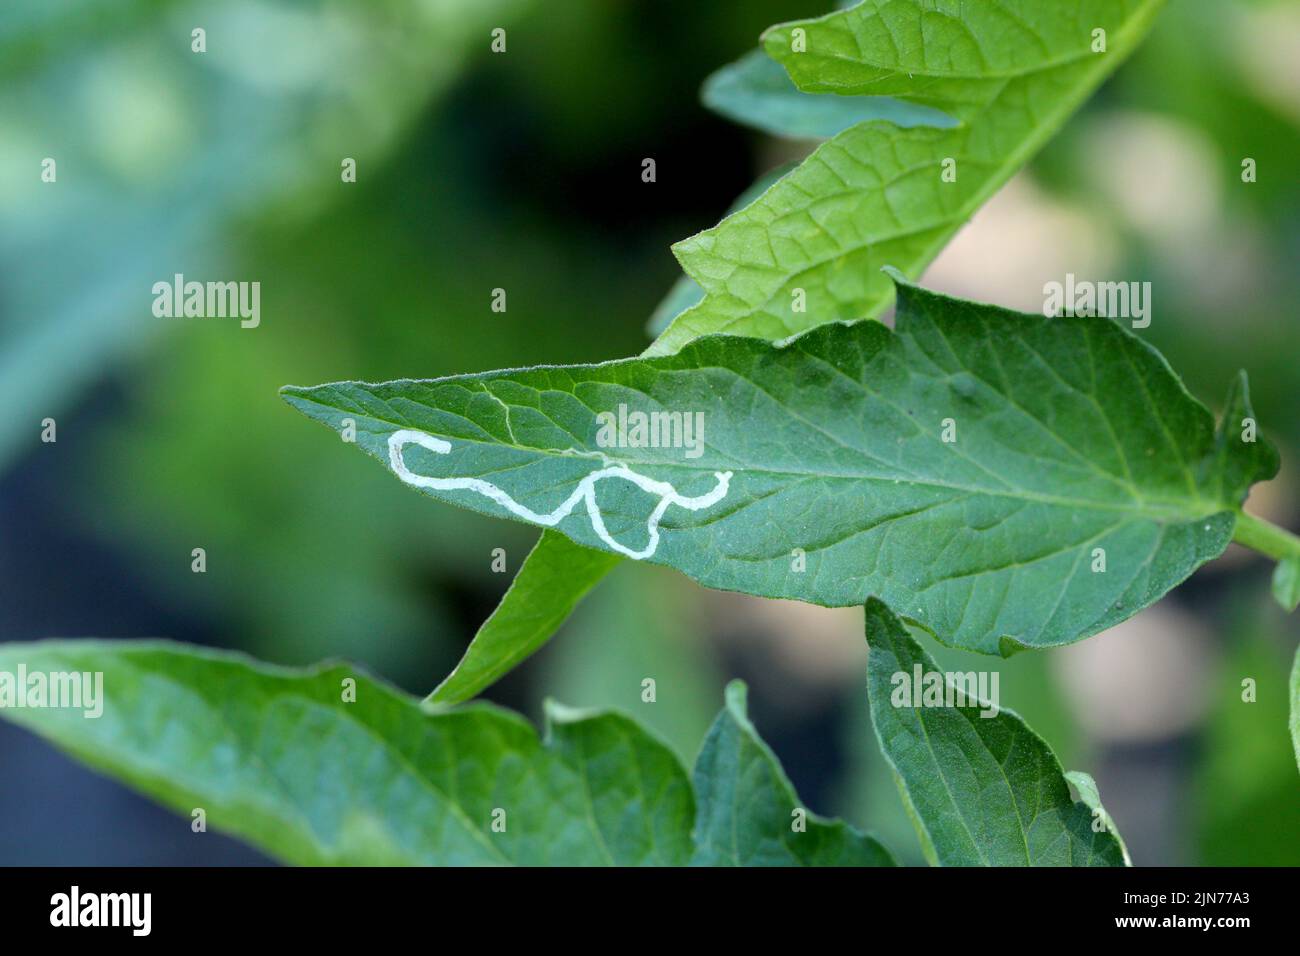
x=293, y=395
x=1009, y=646
x=737, y=699
x=775, y=38
x=896, y=275
x=881, y=625
x=557, y=713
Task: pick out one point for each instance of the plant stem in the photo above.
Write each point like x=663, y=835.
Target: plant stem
x=1265, y=537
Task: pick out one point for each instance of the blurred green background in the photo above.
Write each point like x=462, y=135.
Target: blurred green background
x=522, y=171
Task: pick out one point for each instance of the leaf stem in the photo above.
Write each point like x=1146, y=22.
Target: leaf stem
x=1265, y=537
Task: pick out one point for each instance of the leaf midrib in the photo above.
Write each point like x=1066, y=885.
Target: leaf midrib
x=1157, y=509
x=889, y=72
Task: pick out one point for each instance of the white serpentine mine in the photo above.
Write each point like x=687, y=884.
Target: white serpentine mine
x=585, y=491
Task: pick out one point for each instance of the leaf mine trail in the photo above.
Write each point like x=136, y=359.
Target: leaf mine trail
x=585, y=491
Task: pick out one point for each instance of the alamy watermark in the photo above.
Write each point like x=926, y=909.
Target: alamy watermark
x=922, y=688
x=133, y=911
x=208, y=300
x=624, y=429
x=56, y=690
x=1113, y=300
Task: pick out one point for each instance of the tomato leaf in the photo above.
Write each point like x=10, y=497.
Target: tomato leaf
x=810, y=249
x=1005, y=480
x=327, y=765
x=749, y=814
x=875, y=194
x=981, y=790
x=554, y=577
x=756, y=91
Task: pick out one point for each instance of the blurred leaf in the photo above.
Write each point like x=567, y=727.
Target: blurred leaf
x=1286, y=583
x=749, y=814
x=685, y=292
x=291, y=565
x=1205, y=66
x=1050, y=464
x=276, y=756
x=1295, y=706
x=159, y=149
x=756, y=91
x=284, y=759
x=873, y=195
x=982, y=791
x=642, y=624
x=1243, y=794
x=554, y=577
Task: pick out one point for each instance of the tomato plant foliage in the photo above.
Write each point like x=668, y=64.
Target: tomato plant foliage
x=974, y=467
x=316, y=770
x=999, y=480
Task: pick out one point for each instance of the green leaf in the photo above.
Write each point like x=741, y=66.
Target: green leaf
x=683, y=294
x=981, y=790
x=1239, y=457
x=874, y=195
x=1295, y=706
x=756, y=91
x=275, y=756
x=1086, y=787
x=555, y=576
x=1246, y=773
x=1286, y=583
x=686, y=292
x=317, y=771
x=823, y=473
x=75, y=262
x=749, y=814
x=808, y=232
